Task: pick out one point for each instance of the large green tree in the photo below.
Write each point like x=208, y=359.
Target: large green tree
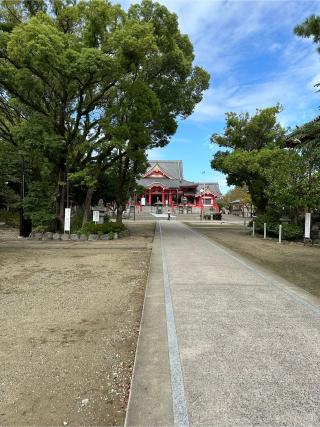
x=80, y=68
x=251, y=143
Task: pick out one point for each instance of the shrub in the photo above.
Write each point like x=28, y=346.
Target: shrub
x=10, y=217
x=76, y=220
x=106, y=228
x=292, y=231
x=289, y=231
x=40, y=229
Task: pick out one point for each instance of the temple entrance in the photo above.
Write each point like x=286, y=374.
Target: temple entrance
x=155, y=198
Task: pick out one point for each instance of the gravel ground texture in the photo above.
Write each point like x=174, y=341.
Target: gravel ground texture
x=70, y=316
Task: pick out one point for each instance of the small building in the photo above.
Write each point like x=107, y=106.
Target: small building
x=164, y=182
x=238, y=208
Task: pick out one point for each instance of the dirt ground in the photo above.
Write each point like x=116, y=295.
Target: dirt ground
x=70, y=315
x=296, y=263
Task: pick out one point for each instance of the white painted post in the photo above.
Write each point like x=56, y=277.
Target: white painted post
x=307, y=226
x=265, y=230
x=253, y=228
x=67, y=219
x=280, y=233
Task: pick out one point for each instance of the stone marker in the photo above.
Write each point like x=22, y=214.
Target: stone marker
x=83, y=237
x=38, y=236
x=56, y=236
x=74, y=237
x=115, y=236
x=65, y=236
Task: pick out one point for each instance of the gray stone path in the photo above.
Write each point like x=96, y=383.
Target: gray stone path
x=247, y=348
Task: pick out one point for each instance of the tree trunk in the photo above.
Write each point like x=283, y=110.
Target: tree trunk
x=119, y=214
x=62, y=203
x=60, y=200
x=87, y=205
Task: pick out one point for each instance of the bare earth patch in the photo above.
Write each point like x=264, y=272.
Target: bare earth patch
x=296, y=263
x=70, y=315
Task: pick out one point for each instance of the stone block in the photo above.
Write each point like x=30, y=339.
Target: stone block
x=38, y=236
x=93, y=237
x=74, y=237
x=65, y=236
x=115, y=236
x=47, y=236
x=83, y=237
x=104, y=237
x=56, y=236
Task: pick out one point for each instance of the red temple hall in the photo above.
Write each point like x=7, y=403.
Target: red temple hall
x=164, y=183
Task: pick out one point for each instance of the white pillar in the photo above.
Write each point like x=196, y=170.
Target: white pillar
x=307, y=225
x=280, y=233
x=265, y=230
x=253, y=228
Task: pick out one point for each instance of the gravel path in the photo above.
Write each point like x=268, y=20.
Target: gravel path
x=69, y=320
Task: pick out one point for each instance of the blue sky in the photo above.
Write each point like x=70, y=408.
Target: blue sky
x=254, y=60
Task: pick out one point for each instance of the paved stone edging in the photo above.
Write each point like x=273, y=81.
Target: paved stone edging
x=180, y=412
x=150, y=401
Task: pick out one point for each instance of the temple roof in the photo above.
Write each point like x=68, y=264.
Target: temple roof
x=212, y=187
x=305, y=133
x=173, y=168
x=168, y=183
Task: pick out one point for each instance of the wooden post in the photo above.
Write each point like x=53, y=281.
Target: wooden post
x=265, y=230
x=280, y=233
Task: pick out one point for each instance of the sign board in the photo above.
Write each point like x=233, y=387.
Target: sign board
x=307, y=226
x=96, y=217
x=67, y=218
x=143, y=201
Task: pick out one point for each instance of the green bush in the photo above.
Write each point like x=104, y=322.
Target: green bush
x=106, y=228
x=76, y=220
x=292, y=231
x=289, y=231
x=40, y=229
x=10, y=217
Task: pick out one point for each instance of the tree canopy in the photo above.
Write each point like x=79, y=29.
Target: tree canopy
x=258, y=156
x=94, y=81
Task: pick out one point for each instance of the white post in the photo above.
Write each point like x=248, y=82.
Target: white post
x=253, y=228
x=280, y=233
x=67, y=219
x=307, y=226
x=265, y=230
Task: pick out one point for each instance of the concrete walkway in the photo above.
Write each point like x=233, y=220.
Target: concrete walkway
x=222, y=343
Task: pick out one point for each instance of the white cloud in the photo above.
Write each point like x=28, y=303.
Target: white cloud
x=155, y=154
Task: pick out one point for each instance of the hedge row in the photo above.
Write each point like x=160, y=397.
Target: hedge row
x=107, y=227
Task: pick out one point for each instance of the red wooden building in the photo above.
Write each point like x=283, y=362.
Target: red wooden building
x=164, y=183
